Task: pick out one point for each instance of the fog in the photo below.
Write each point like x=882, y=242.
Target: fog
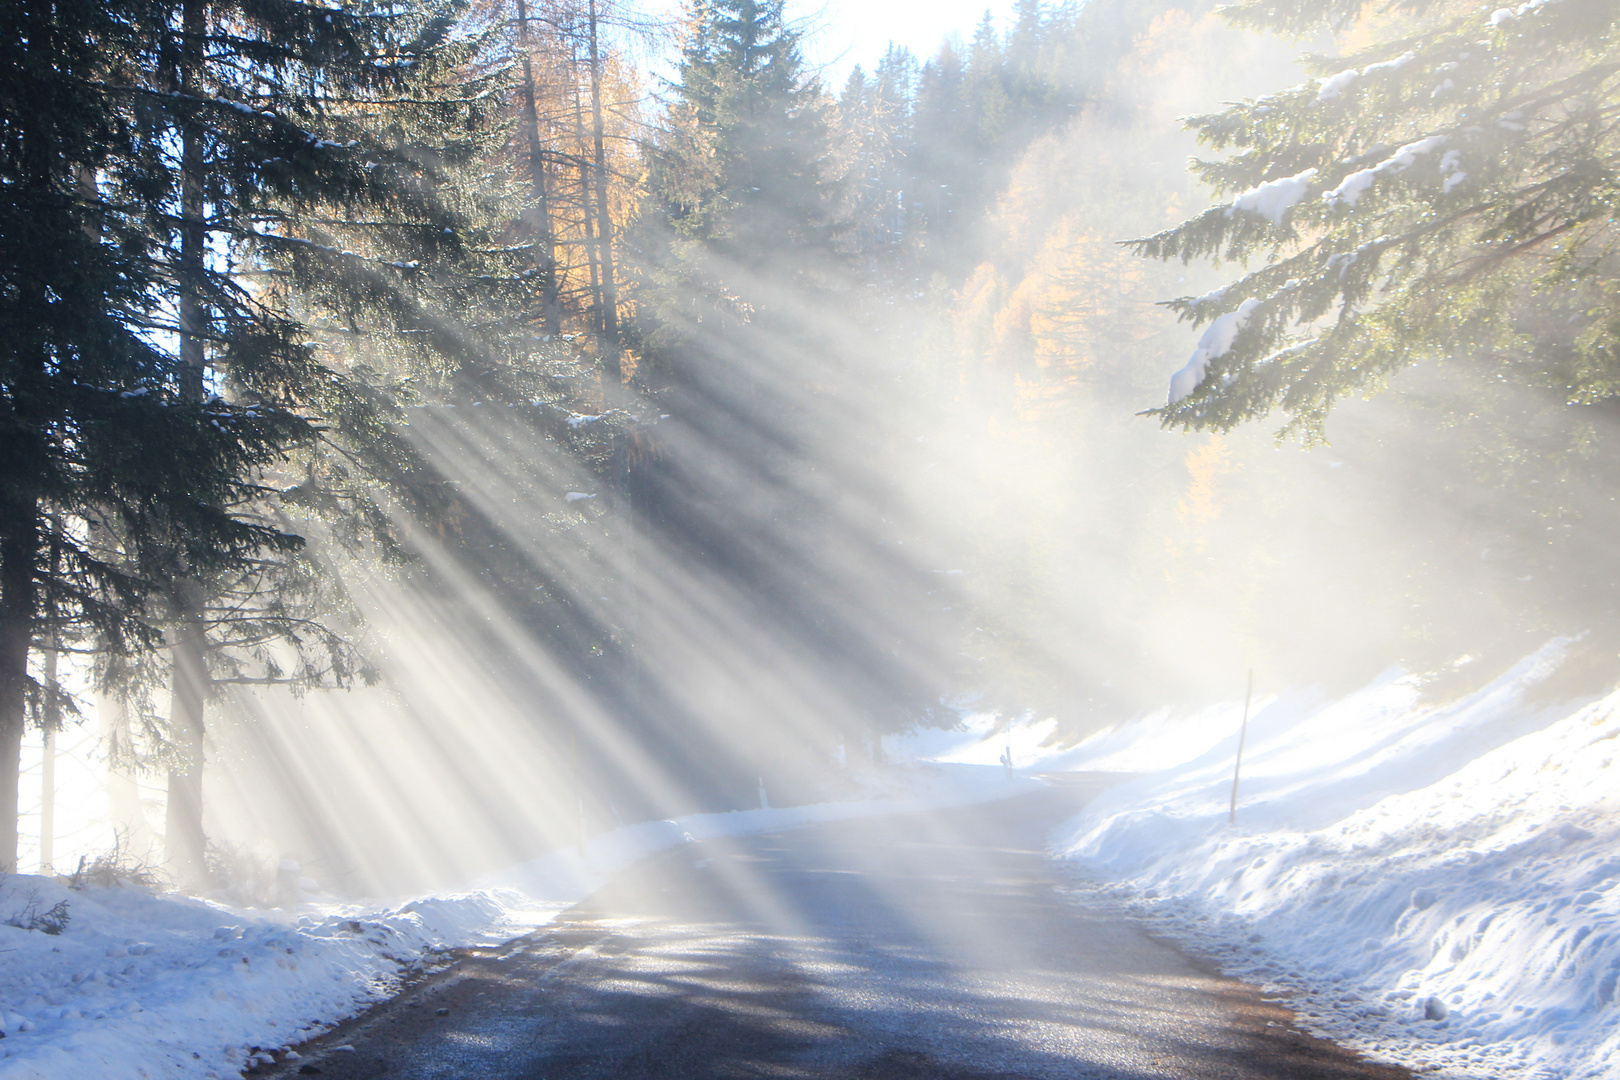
x=871, y=493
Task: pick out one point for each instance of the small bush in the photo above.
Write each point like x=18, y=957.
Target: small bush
x=242, y=876
x=51, y=921
x=116, y=867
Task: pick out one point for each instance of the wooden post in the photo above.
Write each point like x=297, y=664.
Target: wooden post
x=1243, y=736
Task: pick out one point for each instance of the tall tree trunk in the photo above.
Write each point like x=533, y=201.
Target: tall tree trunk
x=184, y=840
x=183, y=829
x=124, y=808
x=612, y=369
x=19, y=597
x=604, y=218
x=52, y=716
x=193, y=231
x=539, y=211
x=47, y=790
x=586, y=212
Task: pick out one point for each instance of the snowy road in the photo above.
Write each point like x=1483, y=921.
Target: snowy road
x=919, y=946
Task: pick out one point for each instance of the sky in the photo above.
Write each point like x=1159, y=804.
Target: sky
x=838, y=34
x=850, y=32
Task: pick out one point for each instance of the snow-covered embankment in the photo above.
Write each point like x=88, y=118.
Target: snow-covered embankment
x=151, y=986
x=1434, y=884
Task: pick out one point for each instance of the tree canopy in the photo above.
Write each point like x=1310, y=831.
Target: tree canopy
x=1448, y=191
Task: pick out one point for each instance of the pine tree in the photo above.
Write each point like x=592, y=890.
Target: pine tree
x=103, y=430
x=743, y=171
x=243, y=172
x=1446, y=193
x=874, y=127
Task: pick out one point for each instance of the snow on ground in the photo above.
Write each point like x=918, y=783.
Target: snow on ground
x=1434, y=884
x=141, y=986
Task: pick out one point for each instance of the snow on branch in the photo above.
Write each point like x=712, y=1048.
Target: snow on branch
x=1215, y=343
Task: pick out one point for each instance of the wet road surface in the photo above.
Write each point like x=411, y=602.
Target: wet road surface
x=914, y=947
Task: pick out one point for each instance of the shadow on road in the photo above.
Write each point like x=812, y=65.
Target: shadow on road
x=932, y=945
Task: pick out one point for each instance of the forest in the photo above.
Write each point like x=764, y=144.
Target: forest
x=436, y=431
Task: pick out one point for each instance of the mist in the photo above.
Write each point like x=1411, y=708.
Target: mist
x=562, y=538
x=873, y=470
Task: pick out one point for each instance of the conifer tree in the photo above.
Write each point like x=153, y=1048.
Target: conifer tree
x=103, y=430
x=242, y=171
x=743, y=172
x=292, y=127
x=1447, y=192
x=874, y=126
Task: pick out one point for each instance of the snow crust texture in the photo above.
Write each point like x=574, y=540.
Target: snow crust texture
x=1435, y=884
x=141, y=986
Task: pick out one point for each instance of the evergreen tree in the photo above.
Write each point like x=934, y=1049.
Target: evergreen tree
x=745, y=287
x=744, y=169
x=242, y=172
x=104, y=429
x=1446, y=193
x=975, y=113
x=874, y=126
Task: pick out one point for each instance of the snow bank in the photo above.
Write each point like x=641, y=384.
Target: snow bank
x=141, y=986
x=1435, y=885
x=979, y=739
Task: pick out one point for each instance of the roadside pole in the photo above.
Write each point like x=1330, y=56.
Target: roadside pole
x=1243, y=736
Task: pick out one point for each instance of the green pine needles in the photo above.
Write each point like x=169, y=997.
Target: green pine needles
x=1446, y=195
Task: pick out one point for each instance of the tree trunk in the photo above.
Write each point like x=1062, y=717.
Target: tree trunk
x=47, y=768
x=52, y=719
x=604, y=220
x=183, y=827
x=612, y=371
x=19, y=548
x=193, y=231
x=586, y=211
x=539, y=211
x=184, y=840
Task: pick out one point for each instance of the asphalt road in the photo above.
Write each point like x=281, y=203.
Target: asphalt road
x=933, y=946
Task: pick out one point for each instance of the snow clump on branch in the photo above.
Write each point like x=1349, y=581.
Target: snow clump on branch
x=1331, y=86
x=1354, y=186
x=1274, y=198
x=1216, y=343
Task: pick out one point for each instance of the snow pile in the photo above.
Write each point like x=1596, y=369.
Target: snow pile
x=1354, y=186
x=1159, y=740
x=138, y=986
x=1274, y=198
x=1215, y=343
x=1431, y=884
x=143, y=985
